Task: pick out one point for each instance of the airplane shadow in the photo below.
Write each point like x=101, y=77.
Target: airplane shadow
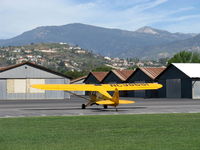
x=89, y=108
x=41, y=109
x=114, y=110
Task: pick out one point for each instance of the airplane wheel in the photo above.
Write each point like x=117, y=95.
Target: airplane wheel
x=83, y=106
x=105, y=106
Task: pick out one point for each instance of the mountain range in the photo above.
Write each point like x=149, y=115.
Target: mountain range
x=145, y=42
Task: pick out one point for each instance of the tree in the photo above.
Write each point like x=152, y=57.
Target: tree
x=102, y=68
x=185, y=57
x=76, y=74
x=163, y=61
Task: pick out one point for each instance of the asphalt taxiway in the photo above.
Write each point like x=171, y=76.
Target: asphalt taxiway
x=72, y=107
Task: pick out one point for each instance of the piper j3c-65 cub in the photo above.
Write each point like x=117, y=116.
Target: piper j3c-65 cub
x=99, y=92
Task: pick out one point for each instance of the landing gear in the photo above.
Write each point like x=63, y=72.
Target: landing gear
x=116, y=108
x=105, y=106
x=83, y=106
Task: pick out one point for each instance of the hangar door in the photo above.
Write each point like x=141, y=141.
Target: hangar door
x=173, y=88
x=21, y=88
x=23, y=85
x=139, y=93
x=196, y=90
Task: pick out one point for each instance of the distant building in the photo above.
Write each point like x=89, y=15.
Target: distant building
x=108, y=58
x=180, y=80
x=16, y=81
x=144, y=75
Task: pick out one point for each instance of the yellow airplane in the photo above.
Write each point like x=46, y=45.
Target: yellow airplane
x=99, y=92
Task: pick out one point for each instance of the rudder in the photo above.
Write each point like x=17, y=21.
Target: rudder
x=115, y=97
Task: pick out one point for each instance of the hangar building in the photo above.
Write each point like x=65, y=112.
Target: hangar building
x=117, y=76
x=79, y=80
x=15, y=82
x=144, y=75
x=95, y=77
x=180, y=80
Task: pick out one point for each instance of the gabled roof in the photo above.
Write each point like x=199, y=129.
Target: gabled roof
x=152, y=72
x=192, y=70
x=98, y=75
x=123, y=74
x=78, y=79
x=2, y=69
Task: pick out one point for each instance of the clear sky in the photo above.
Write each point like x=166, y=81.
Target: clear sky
x=18, y=16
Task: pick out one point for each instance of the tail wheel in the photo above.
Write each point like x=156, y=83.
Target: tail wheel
x=83, y=106
x=105, y=106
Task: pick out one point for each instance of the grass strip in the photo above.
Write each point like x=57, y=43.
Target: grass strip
x=114, y=132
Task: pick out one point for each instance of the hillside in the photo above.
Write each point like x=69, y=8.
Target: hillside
x=104, y=41
x=71, y=60
x=191, y=44
x=57, y=56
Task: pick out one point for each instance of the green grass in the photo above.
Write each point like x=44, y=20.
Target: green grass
x=118, y=132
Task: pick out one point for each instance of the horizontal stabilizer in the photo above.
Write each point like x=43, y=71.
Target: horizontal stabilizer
x=105, y=102
x=126, y=102
x=109, y=102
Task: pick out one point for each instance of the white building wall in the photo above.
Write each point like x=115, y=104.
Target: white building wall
x=26, y=73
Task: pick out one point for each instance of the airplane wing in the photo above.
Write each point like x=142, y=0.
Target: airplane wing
x=98, y=87
x=101, y=88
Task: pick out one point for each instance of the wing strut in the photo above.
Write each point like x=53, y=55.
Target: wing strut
x=78, y=95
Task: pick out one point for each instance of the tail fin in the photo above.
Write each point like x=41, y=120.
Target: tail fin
x=115, y=97
x=114, y=101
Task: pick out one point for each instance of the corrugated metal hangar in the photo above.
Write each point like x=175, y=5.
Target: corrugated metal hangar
x=79, y=80
x=117, y=76
x=94, y=78
x=15, y=82
x=180, y=80
x=144, y=75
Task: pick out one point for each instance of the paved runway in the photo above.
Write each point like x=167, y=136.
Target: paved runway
x=22, y=108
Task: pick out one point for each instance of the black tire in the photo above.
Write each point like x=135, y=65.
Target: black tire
x=105, y=106
x=83, y=106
